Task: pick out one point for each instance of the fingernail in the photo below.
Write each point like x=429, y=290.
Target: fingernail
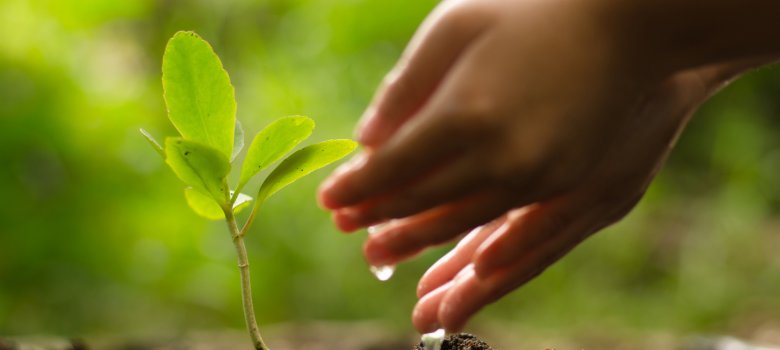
x=332, y=191
x=324, y=198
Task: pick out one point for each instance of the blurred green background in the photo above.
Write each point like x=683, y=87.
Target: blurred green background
x=95, y=235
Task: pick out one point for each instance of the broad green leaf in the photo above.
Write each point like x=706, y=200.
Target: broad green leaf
x=153, y=142
x=200, y=166
x=200, y=99
x=205, y=206
x=272, y=143
x=303, y=162
x=238, y=140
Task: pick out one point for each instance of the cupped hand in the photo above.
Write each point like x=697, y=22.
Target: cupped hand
x=497, y=258
x=521, y=116
x=497, y=103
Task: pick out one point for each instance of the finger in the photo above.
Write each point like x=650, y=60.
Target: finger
x=469, y=293
x=423, y=144
x=425, y=316
x=445, y=269
x=448, y=183
x=431, y=53
x=524, y=230
x=350, y=219
x=406, y=237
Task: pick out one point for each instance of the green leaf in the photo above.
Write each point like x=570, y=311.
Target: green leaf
x=303, y=162
x=205, y=206
x=199, y=166
x=272, y=143
x=238, y=140
x=200, y=99
x=153, y=142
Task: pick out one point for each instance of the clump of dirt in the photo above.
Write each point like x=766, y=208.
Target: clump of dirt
x=460, y=341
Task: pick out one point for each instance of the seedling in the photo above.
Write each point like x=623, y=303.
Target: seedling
x=201, y=105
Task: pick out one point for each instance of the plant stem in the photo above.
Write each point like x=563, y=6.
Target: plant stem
x=246, y=285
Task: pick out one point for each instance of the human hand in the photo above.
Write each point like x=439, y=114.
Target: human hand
x=506, y=111
x=496, y=111
x=504, y=254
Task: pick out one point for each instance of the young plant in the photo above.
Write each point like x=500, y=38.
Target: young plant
x=201, y=105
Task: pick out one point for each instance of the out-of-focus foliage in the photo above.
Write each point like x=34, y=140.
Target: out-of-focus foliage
x=96, y=236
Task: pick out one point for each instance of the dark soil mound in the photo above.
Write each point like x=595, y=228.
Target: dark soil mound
x=460, y=341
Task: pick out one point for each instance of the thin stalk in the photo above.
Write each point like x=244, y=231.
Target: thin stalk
x=246, y=285
x=252, y=215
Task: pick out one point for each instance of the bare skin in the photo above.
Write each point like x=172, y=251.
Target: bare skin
x=530, y=117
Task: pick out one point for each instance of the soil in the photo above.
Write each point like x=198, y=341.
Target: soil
x=460, y=341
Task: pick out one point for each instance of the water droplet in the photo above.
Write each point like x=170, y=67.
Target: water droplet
x=383, y=273
x=432, y=341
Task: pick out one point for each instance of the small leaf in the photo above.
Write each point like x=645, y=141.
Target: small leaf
x=272, y=143
x=205, y=206
x=238, y=140
x=303, y=162
x=200, y=99
x=153, y=142
x=199, y=166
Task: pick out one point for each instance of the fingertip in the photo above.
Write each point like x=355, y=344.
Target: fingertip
x=461, y=302
x=338, y=191
x=375, y=252
x=325, y=194
x=423, y=322
x=426, y=312
x=344, y=220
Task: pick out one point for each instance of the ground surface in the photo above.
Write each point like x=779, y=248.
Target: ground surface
x=461, y=341
x=372, y=336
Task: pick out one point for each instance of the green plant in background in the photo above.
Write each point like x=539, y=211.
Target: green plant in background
x=201, y=105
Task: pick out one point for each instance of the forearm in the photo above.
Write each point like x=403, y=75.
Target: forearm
x=677, y=34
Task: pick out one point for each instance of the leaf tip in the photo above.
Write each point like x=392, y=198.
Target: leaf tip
x=152, y=141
